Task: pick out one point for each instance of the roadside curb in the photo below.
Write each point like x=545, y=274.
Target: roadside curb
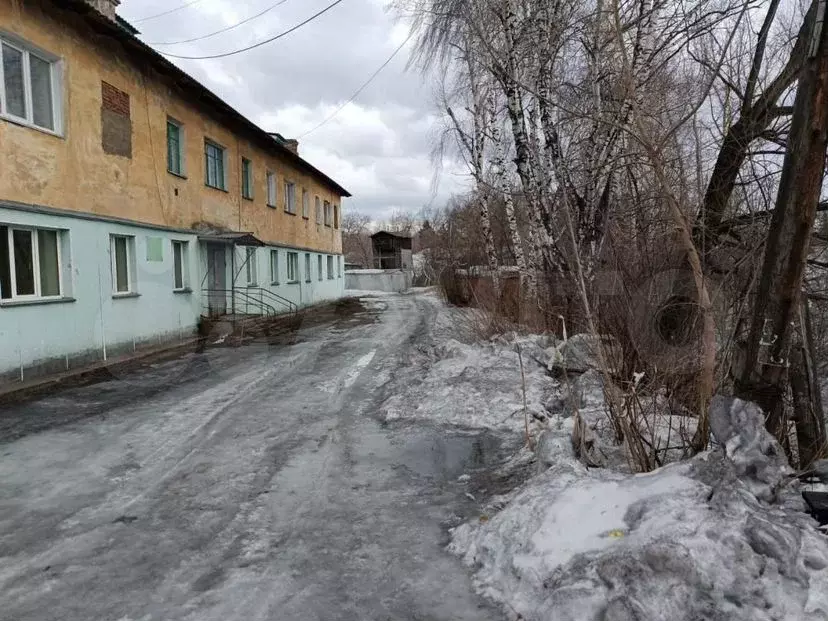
x=21, y=391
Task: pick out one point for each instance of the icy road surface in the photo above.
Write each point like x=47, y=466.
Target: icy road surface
x=250, y=483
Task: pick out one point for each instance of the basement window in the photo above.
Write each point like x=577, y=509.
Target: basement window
x=29, y=86
x=30, y=263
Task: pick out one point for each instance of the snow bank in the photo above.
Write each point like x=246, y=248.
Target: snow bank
x=689, y=541
x=477, y=385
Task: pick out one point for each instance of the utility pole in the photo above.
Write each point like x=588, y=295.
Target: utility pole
x=764, y=377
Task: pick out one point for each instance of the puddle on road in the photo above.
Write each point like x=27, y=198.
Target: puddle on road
x=447, y=454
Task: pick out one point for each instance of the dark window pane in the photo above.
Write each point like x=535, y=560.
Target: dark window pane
x=5, y=264
x=13, y=80
x=41, y=72
x=173, y=148
x=47, y=247
x=121, y=265
x=23, y=262
x=178, y=265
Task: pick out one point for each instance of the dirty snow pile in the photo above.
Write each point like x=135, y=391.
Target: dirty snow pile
x=721, y=536
x=477, y=385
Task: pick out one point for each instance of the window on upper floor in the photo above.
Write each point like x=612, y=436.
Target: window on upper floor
x=214, y=175
x=175, y=147
x=327, y=213
x=290, y=197
x=30, y=264
x=293, y=267
x=247, y=178
x=336, y=216
x=330, y=268
x=305, y=204
x=271, y=189
x=29, y=85
x=318, y=211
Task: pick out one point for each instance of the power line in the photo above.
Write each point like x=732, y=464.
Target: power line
x=213, y=34
x=183, y=6
x=261, y=43
x=360, y=89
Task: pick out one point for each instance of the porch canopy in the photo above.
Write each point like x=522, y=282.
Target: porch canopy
x=234, y=238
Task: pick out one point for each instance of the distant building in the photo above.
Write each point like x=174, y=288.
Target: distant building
x=391, y=251
x=133, y=200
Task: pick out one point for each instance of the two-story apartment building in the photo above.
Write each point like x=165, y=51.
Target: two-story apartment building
x=133, y=200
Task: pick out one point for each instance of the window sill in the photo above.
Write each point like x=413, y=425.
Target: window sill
x=252, y=285
x=271, y=206
x=128, y=294
x=25, y=123
x=184, y=290
x=248, y=198
x=305, y=217
x=213, y=187
x=290, y=213
x=179, y=175
x=37, y=302
x=292, y=282
x=274, y=284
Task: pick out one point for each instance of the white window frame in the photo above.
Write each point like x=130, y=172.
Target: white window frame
x=330, y=267
x=56, y=83
x=37, y=295
x=251, y=269
x=327, y=211
x=318, y=206
x=130, y=259
x=272, y=189
x=319, y=266
x=293, y=266
x=290, y=197
x=274, y=266
x=185, y=249
x=305, y=204
x=308, y=276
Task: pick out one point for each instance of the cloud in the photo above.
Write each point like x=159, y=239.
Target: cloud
x=379, y=146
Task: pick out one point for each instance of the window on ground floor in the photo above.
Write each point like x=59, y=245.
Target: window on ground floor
x=274, y=267
x=179, y=265
x=330, y=268
x=339, y=267
x=29, y=263
x=293, y=266
x=307, y=267
x=250, y=266
x=123, y=263
x=319, y=265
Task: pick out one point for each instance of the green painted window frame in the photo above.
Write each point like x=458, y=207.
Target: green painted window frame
x=214, y=176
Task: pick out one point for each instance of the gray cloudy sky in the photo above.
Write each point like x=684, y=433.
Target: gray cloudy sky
x=378, y=147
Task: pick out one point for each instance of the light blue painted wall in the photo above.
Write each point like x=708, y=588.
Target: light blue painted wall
x=301, y=293
x=96, y=321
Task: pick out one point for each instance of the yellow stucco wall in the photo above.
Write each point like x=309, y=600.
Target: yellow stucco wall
x=73, y=172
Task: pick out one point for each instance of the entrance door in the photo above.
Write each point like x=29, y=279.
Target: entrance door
x=216, y=279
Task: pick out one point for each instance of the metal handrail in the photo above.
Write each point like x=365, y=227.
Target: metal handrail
x=292, y=307
x=246, y=297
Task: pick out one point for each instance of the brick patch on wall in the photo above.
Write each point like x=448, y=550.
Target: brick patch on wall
x=116, y=125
